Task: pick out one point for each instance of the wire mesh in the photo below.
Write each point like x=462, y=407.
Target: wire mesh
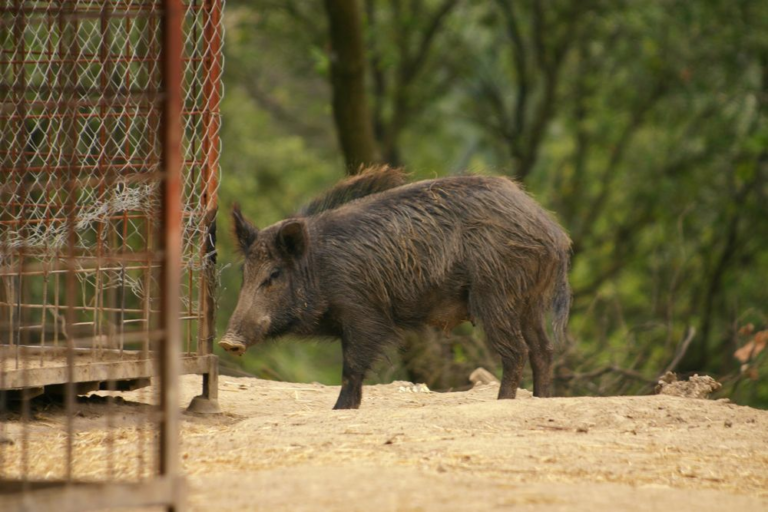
x=80, y=85
x=81, y=245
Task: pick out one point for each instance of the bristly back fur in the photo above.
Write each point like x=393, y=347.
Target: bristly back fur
x=370, y=180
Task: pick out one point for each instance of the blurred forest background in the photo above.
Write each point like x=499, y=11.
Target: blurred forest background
x=642, y=125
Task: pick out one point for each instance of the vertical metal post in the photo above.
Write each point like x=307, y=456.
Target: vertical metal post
x=207, y=402
x=170, y=241
x=211, y=126
x=68, y=50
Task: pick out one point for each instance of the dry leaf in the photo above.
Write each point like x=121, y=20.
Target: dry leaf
x=752, y=348
x=746, y=330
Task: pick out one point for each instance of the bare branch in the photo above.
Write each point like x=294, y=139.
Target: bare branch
x=280, y=113
x=433, y=28
x=544, y=111
x=730, y=249
x=550, y=66
x=617, y=154
x=519, y=54
x=409, y=67
x=308, y=23
x=538, y=33
x=603, y=371
x=583, y=142
x=377, y=74
x=682, y=349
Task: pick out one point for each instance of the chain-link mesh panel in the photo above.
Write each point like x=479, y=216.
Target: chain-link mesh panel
x=87, y=242
x=79, y=167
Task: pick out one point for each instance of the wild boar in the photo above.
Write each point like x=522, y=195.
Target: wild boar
x=374, y=258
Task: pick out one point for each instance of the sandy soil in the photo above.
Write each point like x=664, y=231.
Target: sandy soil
x=278, y=446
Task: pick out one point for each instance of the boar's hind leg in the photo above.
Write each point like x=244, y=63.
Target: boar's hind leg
x=503, y=334
x=361, y=345
x=509, y=343
x=540, y=350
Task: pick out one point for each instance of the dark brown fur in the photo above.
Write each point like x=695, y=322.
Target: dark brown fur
x=370, y=180
x=435, y=252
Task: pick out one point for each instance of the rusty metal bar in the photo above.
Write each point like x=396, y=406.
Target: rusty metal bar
x=212, y=69
x=170, y=241
x=68, y=46
x=83, y=7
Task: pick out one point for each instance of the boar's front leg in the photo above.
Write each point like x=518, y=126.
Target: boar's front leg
x=361, y=344
x=351, y=387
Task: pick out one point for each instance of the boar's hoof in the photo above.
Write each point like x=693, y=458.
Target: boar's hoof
x=233, y=346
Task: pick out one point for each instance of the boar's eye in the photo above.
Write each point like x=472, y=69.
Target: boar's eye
x=274, y=275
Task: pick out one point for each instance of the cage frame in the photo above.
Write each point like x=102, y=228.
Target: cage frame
x=135, y=368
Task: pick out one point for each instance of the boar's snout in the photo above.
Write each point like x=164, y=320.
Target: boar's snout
x=235, y=340
x=233, y=343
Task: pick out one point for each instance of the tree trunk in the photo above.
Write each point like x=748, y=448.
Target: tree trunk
x=350, y=109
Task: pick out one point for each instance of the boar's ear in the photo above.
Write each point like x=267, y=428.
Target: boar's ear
x=292, y=239
x=245, y=232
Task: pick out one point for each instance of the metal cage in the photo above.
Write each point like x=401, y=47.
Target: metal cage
x=109, y=148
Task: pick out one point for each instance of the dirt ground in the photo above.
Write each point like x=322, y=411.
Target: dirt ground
x=279, y=446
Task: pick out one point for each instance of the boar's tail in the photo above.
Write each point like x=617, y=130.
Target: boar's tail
x=561, y=300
